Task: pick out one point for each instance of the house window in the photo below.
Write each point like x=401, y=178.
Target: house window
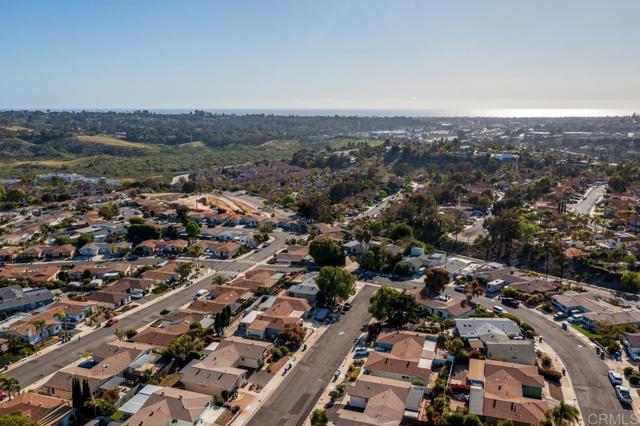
x=406, y=377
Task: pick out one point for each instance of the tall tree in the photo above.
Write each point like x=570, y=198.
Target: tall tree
x=395, y=307
x=334, y=283
x=435, y=280
x=327, y=252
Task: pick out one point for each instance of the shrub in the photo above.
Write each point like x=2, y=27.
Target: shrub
x=512, y=317
x=276, y=354
x=634, y=379
x=545, y=361
x=628, y=371
x=353, y=375
x=550, y=374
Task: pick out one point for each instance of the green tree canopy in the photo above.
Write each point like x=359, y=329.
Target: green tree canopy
x=193, y=229
x=141, y=232
x=334, y=283
x=326, y=252
x=394, y=306
x=630, y=282
x=16, y=418
x=319, y=417
x=435, y=279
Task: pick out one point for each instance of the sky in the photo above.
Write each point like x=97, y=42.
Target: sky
x=270, y=54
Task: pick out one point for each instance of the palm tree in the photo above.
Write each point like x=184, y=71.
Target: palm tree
x=564, y=415
x=11, y=385
x=473, y=289
x=195, y=251
x=62, y=317
x=39, y=324
x=219, y=279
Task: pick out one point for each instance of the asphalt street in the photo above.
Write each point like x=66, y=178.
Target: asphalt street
x=66, y=354
x=595, y=394
x=588, y=373
x=294, y=399
x=592, y=196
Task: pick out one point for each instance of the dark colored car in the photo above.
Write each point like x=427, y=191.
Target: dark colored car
x=510, y=301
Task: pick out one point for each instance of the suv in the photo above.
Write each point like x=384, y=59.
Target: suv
x=623, y=395
x=614, y=378
x=510, y=301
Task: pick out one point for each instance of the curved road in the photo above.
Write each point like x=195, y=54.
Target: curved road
x=595, y=394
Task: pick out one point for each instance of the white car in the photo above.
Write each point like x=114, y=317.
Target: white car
x=614, y=378
x=201, y=293
x=499, y=310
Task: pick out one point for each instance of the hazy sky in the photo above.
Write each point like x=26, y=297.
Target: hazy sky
x=322, y=54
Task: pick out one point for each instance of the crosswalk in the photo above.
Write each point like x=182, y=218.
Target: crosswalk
x=227, y=274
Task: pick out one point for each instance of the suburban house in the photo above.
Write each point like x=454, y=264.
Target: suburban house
x=294, y=255
x=31, y=329
x=174, y=247
x=402, y=355
x=43, y=410
x=9, y=253
x=110, y=364
x=162, y=332
x=171, y=406
x=507, y=391
x=571, y=302
x=164, y=274
x=380, y=401
x=478, y=327
x=442, y=306
x=37, y=275
x=65, y=251
x=104, y=249
x=132, y=286
x=19, y=299
x=592, y=320
x=104, y=271
x=227, y=249
x=109, y=299
x=306, y=289
x=223, y=370
x=631, y=341
x=280, y=311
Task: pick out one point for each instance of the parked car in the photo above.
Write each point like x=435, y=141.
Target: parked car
x=499, y=310
x=460, y=288
x=362, y=352
x=201, y=293
x=623, y=394
x=137, y=295
x=560, y=316
x=346, y=306
x=111, y=322
x=510, y=301
x=614, y=378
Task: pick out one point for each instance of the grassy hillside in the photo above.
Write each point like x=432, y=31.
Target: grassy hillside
x=92, y=145
x=140, y=163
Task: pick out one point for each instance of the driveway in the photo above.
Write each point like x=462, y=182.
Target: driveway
x=294, y=399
